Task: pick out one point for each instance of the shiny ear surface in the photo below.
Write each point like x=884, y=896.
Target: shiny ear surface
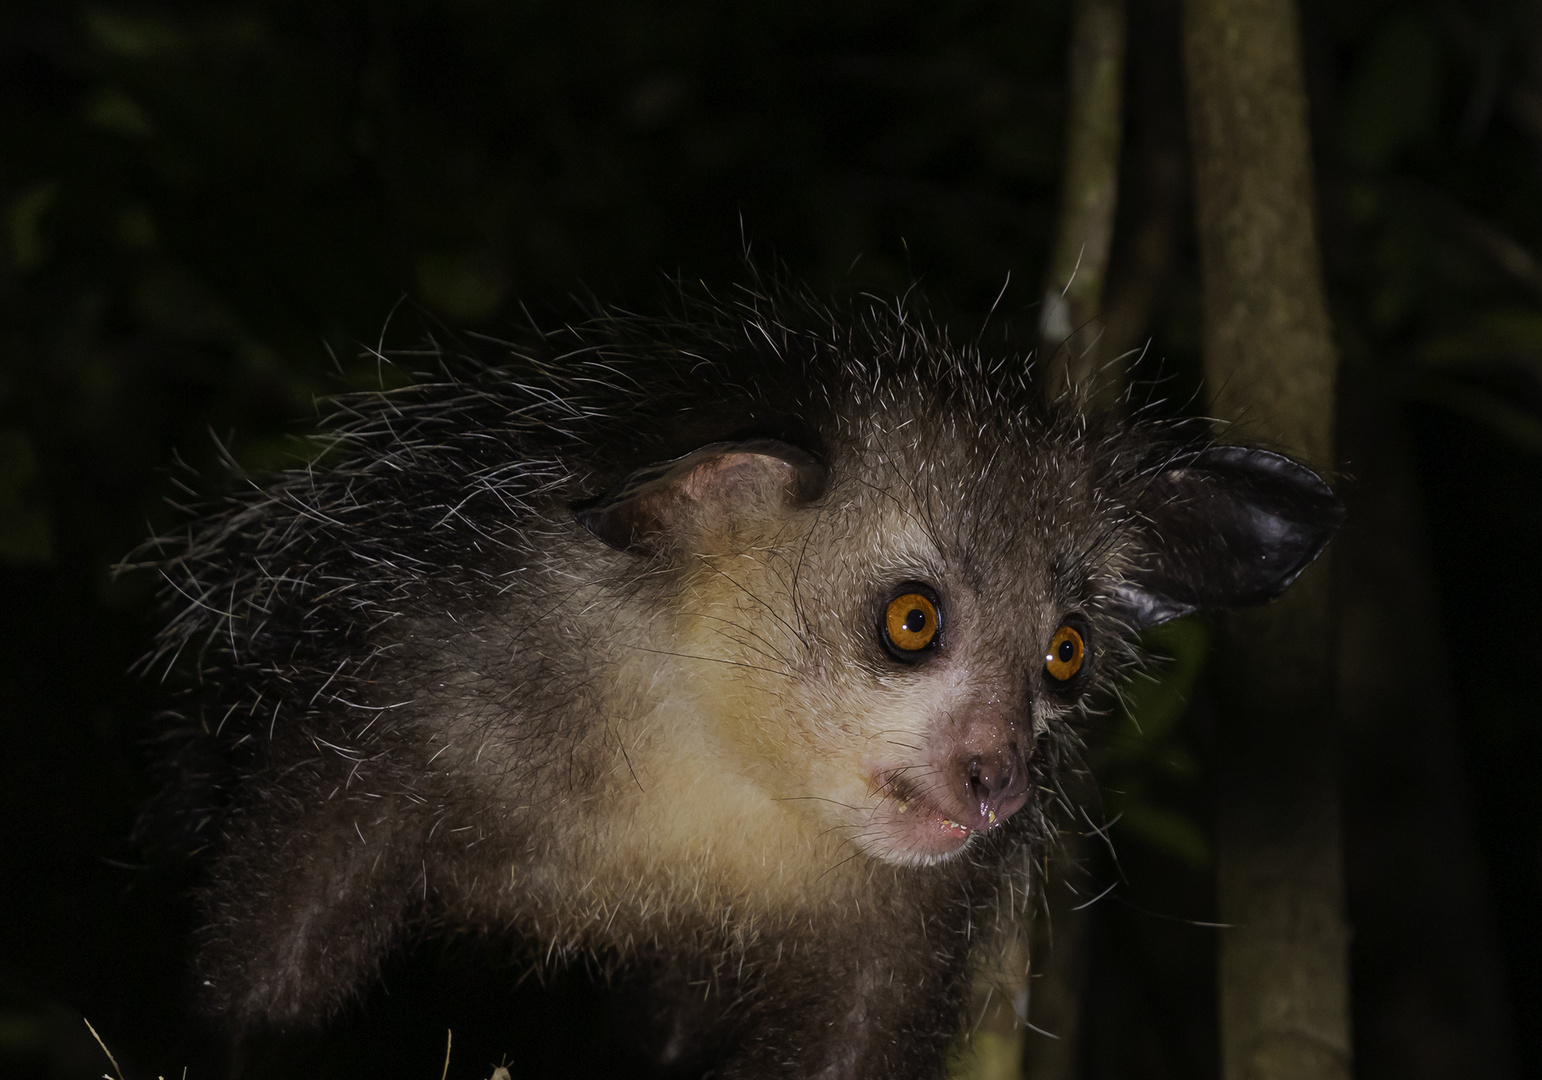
x=714, y=490
x=1227, y=527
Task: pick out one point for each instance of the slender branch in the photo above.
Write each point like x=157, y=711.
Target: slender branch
x=1070, y=326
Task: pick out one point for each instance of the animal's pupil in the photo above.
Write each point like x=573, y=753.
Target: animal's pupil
x=1067, y=651
x=915, y=621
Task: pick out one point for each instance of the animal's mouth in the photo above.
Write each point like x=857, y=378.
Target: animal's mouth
x=912, y=826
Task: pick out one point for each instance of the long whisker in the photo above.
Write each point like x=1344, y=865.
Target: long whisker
x=720, y=572
x=711, y=659
x=770, y=648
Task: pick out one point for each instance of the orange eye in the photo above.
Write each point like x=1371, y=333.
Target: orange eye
x=910, y=622
x=1066, y=652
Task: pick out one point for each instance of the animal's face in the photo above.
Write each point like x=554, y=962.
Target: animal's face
x=885, y=658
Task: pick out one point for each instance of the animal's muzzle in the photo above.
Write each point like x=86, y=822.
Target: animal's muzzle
x=994, y=785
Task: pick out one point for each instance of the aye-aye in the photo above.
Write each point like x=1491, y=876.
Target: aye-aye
x=728, y=651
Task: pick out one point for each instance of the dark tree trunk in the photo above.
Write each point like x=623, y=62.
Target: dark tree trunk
x=1270, y=368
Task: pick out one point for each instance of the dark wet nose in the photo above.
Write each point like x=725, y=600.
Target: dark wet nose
x=995, y=785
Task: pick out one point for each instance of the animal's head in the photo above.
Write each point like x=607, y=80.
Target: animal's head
x=893, y=625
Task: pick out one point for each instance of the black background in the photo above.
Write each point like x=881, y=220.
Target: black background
x=209, y=207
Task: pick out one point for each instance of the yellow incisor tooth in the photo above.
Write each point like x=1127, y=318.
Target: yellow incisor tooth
x=990, y=816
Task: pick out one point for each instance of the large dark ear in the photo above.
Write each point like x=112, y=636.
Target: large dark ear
x=1227, y=527
x=710, y=491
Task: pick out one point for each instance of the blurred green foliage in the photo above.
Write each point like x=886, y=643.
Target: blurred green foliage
x=1392, y=101
x=1149, y=750
x=1433, y=202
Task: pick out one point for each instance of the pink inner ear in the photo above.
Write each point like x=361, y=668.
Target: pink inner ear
x=720, y=485
x=734, y=475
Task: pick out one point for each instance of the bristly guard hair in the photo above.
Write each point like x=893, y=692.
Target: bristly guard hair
x=733, y=647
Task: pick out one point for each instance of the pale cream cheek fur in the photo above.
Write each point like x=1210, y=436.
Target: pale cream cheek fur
x=699, y=814
x=752, y=771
